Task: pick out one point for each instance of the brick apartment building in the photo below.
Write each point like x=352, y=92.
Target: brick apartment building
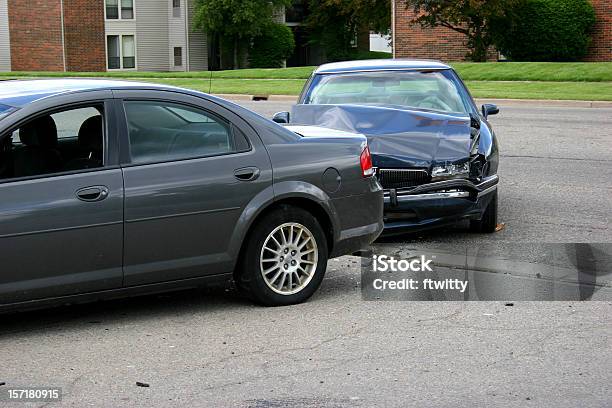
x=158, y=35
x=100, y=35
x=412, y=41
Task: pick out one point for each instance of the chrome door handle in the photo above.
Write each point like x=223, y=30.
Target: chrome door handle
x=93, y=193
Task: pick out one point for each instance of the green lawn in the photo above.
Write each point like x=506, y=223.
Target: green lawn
x=580, y=91
x=238, y=86
x=569, y=81
x=489, y=71
x=591, y=91
x=535, y=71
x=257, y=73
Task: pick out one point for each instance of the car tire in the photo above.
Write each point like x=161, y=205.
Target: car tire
x=278, y=268
x=488, y=222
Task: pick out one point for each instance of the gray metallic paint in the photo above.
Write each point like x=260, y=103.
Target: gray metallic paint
x=53, y=244
x=185, y=221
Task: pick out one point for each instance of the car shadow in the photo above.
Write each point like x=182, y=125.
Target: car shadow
x=127, y=310
x=454, y=233
x=148, y=309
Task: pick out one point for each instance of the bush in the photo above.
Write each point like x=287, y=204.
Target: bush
x=547, y=30
x=272, y=47
x=365, y=55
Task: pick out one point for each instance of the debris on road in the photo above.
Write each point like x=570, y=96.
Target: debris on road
x=141, y=384
x=500, y=226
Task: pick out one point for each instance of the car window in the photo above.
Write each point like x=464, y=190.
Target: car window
x=164, y=131
x=66, y=140
x=432, y=90
x=67, y=123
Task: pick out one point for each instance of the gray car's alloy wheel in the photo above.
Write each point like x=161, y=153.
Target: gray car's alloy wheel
x=285, y=257
x=289, y=258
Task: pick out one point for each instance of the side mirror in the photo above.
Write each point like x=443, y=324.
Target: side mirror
x=489, y=109
x=281, y=117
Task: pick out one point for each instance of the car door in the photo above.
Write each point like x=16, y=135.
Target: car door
x=191, y=168
x=61, y=224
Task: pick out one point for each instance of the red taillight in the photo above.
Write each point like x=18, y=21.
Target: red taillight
x=365, y=159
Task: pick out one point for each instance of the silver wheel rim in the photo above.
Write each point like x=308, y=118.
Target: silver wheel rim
x=288, y=258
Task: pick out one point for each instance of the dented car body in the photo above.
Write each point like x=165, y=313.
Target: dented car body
x=435, y=153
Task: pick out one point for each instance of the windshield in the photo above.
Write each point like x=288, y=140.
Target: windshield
x=431, y=90
x=6, y=110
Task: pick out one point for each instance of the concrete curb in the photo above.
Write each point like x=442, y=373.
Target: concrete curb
x=502, y=102
x=547, y=103
x=242, y=97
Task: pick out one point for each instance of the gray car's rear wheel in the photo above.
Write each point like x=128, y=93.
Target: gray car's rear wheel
x=285, y=258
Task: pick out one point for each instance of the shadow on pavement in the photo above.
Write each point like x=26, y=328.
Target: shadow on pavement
x=140, y=309
x=128, y=310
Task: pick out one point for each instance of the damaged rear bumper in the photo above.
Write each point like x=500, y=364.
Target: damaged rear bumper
x=438, y=203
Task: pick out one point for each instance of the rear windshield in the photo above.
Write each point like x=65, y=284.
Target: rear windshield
x=6, y=110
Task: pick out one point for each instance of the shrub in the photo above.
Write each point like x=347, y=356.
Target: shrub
x=365, y=55
x=272, y=47
x=547, y=30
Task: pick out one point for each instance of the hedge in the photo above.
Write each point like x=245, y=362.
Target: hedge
x=272, y=48
x=548, y=30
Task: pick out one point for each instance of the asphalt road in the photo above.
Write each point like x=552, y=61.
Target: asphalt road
x=213, y=348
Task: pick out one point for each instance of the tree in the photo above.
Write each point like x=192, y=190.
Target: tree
x=333, y=24
x=476, y=19
x=375, y=14
x=236, y=21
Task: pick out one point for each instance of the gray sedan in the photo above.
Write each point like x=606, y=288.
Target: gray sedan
x=121, y=188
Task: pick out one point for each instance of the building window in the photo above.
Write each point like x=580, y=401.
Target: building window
x=121, y=51
x=114, y=55
x=127, y=9
x=178, y=56
x=120, y=9
x=112, y=9
x=129, y=52
x=176, y=8
x=297, y=12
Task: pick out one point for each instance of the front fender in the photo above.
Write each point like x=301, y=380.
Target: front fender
x=487, y=146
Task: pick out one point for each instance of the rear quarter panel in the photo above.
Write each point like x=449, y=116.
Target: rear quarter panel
x=300, y=167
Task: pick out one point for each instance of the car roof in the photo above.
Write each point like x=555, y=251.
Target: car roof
x=18, y=93
x=379, y=65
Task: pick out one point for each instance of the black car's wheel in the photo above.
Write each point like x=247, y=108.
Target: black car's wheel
x=488, y=222
x=285, y=258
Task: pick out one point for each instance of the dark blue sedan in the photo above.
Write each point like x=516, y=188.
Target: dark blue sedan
x=434, y=151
